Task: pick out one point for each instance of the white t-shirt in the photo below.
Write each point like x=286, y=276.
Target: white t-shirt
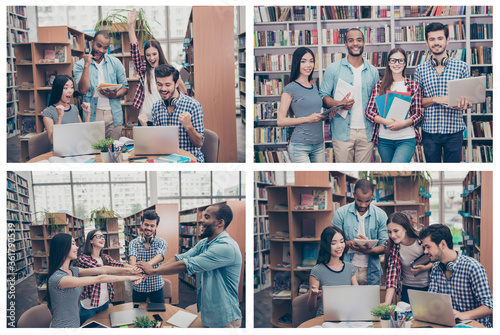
x=150, y=98
x=360, y=259
x=104, y=298
x=102, y=102
x=401, y=134
x=409, y=254
x=357, y=112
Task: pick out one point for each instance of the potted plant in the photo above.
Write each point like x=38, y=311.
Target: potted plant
x=143, y=322
x=116, y=21
x=384, y=313
x=99, y=216
x=102, y=145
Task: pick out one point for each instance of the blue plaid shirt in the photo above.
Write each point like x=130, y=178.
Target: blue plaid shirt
x=157, y=247
x=468, y=286
x=184, y=104
x=439, y=119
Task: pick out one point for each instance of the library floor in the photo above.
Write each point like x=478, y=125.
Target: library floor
x=263, y=308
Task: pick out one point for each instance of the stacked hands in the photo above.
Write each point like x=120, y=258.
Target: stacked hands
x=140, y=272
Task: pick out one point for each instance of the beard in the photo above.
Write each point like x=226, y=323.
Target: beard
x=361, y=50
x=207, y=232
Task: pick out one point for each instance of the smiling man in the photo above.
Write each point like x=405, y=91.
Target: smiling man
x=363, y=220
x=99, y=68
x=148, y=248
x=351, y=137
x=216, y=260
x=177, y=109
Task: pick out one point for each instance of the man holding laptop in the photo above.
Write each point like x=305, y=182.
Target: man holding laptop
x=177, y=109
x=442, y=127
x=462, y=277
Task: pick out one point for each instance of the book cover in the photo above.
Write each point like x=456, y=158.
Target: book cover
x=308, y=228
x=49, y=54
x=114, y=242
x=60, y=53
x=319, y=199
x=309, y=254
x=306, y=199
x=49, y=77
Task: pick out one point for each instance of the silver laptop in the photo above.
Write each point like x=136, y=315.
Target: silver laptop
x=73, y=139
x=161, y=140
x=127, y=317
x=350, y=303
x=432, y=307
x=474, y=88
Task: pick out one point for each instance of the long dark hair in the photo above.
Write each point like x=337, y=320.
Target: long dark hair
x=297, y=57
x=58, y=87
x=87, y=247
x=161, y=59
x=325, y=244
x=387, y=80
x=403, y=220
x=60, y=246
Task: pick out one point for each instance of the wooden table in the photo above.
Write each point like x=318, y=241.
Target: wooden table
x=318, y=321
x=103, y=317
x=47, y=155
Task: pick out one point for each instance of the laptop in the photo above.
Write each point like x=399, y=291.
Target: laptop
x=432, y=307
x=159, y=140
x=350, y=303
x=74, y=139
x=474, y=88
x=127, y=317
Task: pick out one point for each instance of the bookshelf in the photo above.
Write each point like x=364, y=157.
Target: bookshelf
x=477, y=216
x=262, y=273
x=16, y=32
x=190, y=229
x=168, y=229
x=242, y=74
x=291, y=232
x=18, y=222
x=279, y=30
x=41, y=236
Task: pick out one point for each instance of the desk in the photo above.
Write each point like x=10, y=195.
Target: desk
x=47, y=155
x=103, y=317
x=318, y=321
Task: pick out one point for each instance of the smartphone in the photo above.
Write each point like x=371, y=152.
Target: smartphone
x=136, y=305
x=157, y=317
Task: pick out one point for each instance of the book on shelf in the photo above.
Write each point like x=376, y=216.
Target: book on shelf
x=319, y=199
x=60, y=54
x=272, y=156
x=132, y=72
x=309, y=255
x=308, y=228
x=49, y=77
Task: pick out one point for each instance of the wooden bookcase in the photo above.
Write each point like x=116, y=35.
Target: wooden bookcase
x=210, y=56
x=18, y=221
x=391, y=18
x=242, y=74
x=477, y=214
x=285, y=218
x=168, y=229
x=190, y=229
x=41, y=236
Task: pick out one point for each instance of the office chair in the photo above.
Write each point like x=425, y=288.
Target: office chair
x=210, y=147
x=35, y=317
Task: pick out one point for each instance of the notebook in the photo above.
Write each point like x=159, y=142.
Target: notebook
x=182, y=319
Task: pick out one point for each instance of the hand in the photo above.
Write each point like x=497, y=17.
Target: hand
x=352, y=245
x=316, y=292
x=145, y=267
x=460, y=315
x=348, y=102
x=396, y=124
x=87, y=60
x=132, y=16
x=417, y=269
x=110, y=94
x=441, y=100
x=60, y=111
x=185, y=119
x=315, y=117
x=137, y=279
x=86, y=107
x=463, y=103
x=143, y=119
x=332, y=114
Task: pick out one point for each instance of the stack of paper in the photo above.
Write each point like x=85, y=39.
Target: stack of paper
x=341, y=91
x=394, y=105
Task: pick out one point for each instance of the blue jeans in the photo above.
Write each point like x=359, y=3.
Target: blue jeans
x=156, y=296
x=396, y=151
x=86, y=314
x=448, y=146
x=307, y=153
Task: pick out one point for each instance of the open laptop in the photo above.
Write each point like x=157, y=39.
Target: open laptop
x=350, y=303
x=474, y=88
x=73, y=139
x=160, y=140
x=432, y=307
x=127, y=317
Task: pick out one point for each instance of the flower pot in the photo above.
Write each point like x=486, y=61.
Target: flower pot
x=408, y=324
x=385, y=323
x=125, y=156
x=105, y=157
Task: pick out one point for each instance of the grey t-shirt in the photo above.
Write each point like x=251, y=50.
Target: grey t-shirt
x=64, y=301
x=70, y=115
x=305, y=101
x=329, y=277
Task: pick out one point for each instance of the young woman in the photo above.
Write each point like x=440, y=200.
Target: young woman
x=60, y=111
x=65, y=282
x=403, y=247
x=396, y=138
x=95, y=298
x=330, y=269
x=301, y=97
x=146, y=94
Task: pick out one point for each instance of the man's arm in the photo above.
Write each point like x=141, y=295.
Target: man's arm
x=172, y=266
x=155, y=260
x=476, y=313
x=193, y=123
x=81, y=74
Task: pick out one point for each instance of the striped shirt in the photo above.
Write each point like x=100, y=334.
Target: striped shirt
x=65, y=307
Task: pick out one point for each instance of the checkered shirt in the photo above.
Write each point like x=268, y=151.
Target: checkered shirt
x=140, y=66
x=415, y=108
x=184, y=104
x=157, y=247
x=468, y=286
x=439, y=119
x=93, y=292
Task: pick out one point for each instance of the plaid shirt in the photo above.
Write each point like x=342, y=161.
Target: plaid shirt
x=415, y=108
x=140, y=66
x=394, y=271
x=439, y=119
x=468, y=286
x=184, y=104
x=93, y=292
x=157, y=247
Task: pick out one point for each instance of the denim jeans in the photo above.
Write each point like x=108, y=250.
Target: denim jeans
x=449, y=146
x=307, y=153
x=156, y=296
x=396, y=151
x=86, y=314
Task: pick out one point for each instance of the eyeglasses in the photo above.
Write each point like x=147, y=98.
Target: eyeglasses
x=98, y=236
x=397, y=60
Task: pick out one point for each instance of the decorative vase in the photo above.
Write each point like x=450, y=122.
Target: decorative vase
x=385, y=323
x=104, y=157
